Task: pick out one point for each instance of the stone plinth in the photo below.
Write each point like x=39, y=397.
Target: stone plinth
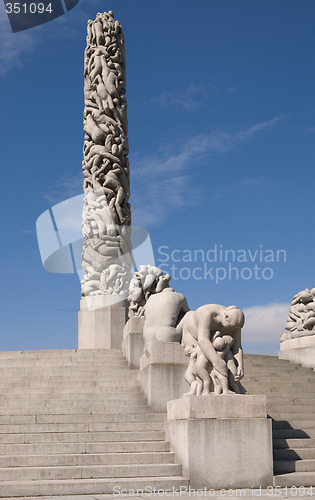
x=101, y=324
x=161, y=375
x=300, y=350
x=222, y=441
x=133, y=343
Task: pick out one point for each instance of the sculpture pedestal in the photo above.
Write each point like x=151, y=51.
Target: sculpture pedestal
x=162, y=370
x=133, y=343
x=300, y=350
x=222, y=441
x=101, y=324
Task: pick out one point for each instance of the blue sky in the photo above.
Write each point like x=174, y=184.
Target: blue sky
x=221, y=131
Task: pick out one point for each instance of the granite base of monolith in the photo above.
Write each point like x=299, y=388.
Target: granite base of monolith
x=161, y=375
x=300, y=350
x=101, y=322
x=222, y=441
x=133, y=344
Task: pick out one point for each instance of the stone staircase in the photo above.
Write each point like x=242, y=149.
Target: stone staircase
x=290, y=391
x=75, y=422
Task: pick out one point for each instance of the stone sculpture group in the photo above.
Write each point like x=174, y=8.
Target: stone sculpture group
x=106, y=213
x=301, y=319
x=211, y=335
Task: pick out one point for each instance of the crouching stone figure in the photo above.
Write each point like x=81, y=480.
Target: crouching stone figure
x=212, y=337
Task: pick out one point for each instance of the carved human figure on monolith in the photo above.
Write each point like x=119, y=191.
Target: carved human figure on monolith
x=106, y=214
x=216, y=330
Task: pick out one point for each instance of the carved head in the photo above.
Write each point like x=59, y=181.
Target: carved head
x=233, y=317
x=218, y=343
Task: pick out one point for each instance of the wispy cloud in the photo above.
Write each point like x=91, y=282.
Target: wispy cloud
x=264, y=324
x=187, y=99
x=16, y=49
x=222, y=141
x=67, y=186
x=162, y=181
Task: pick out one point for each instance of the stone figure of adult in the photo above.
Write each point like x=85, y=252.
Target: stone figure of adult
x=200, y=326
x=164, y=312
x=111, y=186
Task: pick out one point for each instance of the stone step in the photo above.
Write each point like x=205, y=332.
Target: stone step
x=267, y=371
x=64, y=370
x=81, y=418
x=73, y=409
x=293, y=443
x=54, y=398
x=81, y=427
x=51, y=353
x=294, y=424
x=89, y=486
x=293, y=414
x=116, y=399
x=287, y=408
x=283, y=466
x=86, y=459
x=64, y=390
x=301, y=401
x=274, y=379
x=262, y=358
x=294, y=454
x=293, y=433
x=78, y=424
x=85, y=448
x=40, y=405
x=88, y=472
x=76, y=363
x=295, y=479
x=81, y=437
x=67, y=383
x=279, y=388
x=283, y=396
x=118, y=378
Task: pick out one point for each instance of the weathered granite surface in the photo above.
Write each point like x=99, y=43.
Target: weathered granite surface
x=106, y=214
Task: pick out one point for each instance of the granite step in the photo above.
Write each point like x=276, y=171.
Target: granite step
x=294, y=414
x=294, y=454
x=88, y=472
x=53, y=398
x=77, y=363
x=293, y=443
x=287, y=407
x=81, y=418
x=80, y=427
x=90, y=486
x=290, y=391
x=68, y=459
x=85, y=448
x=81, y=408
x=68, y=384
x=77, y=423
x=80, y=437
x=295, y=479
x=62, y=353
x=282, y=466
x=294, y=424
